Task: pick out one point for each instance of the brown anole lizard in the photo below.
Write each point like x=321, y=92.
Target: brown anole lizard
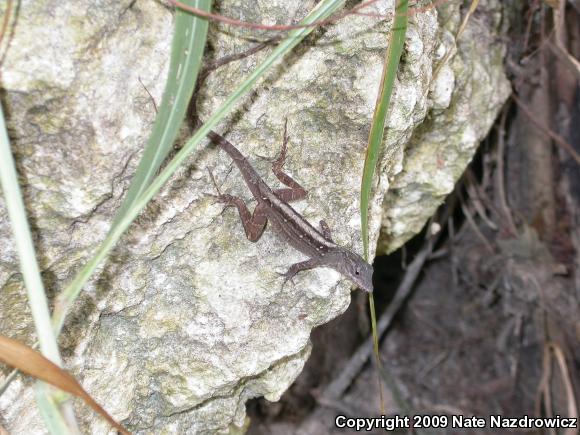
x=291, y=226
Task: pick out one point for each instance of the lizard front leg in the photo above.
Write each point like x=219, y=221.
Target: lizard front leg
x=299, y=267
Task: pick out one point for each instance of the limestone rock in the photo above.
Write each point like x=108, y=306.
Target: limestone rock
x=464, y=101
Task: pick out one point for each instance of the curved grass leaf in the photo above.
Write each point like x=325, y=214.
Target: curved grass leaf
x=189, y=39
x=324, y=9
x=25, y=247
x=48, y=403
x=28, y=361
x=392, y=58
x=60, y=416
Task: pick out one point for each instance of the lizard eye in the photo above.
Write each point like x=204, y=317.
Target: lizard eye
x=356, y=272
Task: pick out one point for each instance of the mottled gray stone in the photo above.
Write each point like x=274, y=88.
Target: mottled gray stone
x=187, y=319
x=464, y=100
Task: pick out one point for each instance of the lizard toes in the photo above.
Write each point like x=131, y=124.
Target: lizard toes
x=288, y=276
x=224, y=199
x=265, y=158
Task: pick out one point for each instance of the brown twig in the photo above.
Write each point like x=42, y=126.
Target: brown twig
x=6, y=20
x=475, y=228
x=470, y=11
x=8, y=380
x=539, y=49
x=559, y=19
x=553, y=350
x=477, y=198
x=417, y=10
x=543, y=394
x=567, y=59
x=210, y=66
x=462, y=26
x=286, y=27
x=149, y=93
x=224, y=60
x=530, y=16
x=559, y=140
x=499, y=178
x=572, y=404
x=452, y=253
x=414, y=10
x=279, y=27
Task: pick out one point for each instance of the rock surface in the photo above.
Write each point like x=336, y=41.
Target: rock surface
x=187, y=319
x=465, y=98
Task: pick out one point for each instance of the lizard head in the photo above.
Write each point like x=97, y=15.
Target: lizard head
x=358, y=270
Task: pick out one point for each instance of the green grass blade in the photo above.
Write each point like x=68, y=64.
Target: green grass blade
x=25, y=247
x=189, y=40
x=54, y=420
x=392, y=58
x=375, y=333
x=69, y=294
x=30, y=272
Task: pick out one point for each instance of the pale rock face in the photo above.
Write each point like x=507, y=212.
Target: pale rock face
x=187, y=320
x=464, y=100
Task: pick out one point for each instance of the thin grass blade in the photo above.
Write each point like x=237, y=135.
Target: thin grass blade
x=47, y=404
x=69, y=294
x=392, y=58
x=29, y=266
x=189, y=40
x=25, y=247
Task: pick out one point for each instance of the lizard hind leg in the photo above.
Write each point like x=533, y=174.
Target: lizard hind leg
x=227, y=200
x=254, y=223
x=295, y=190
